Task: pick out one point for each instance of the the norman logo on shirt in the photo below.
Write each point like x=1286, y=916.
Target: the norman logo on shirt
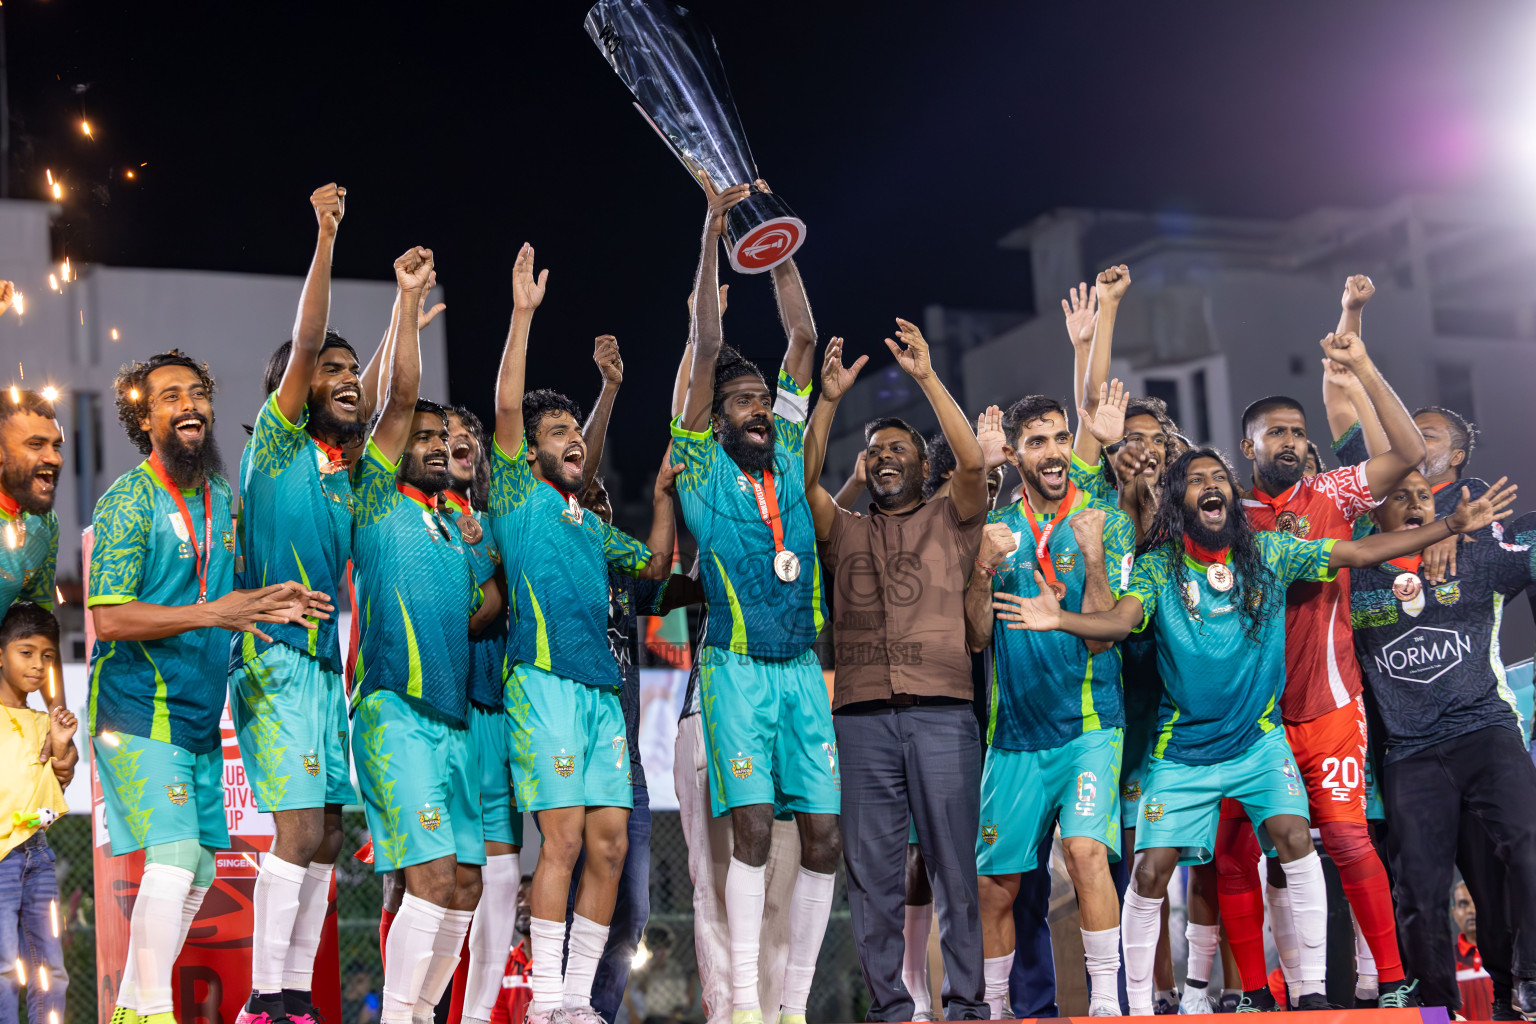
x=1422, y=655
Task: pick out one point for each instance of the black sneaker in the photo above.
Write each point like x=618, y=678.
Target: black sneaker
x=1523, y=999
x=1502, y=1010
x=1259, y=1000
x=1397, y=995
x=299, y=1007
x=1315, y=1001
x=1228, y=1002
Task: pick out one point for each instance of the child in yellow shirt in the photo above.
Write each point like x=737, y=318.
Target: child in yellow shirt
x=37, y=758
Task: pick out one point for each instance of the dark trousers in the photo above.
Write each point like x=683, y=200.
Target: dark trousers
x=900, y=766
x=1032, y=982
x=1485, y=775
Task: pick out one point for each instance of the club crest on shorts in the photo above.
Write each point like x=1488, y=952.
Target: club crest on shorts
x=1291, y=523
x=1448, y=593
x=1152, y=812
x=564, y=766
x=989, y=834
x=177, y=791
x=1065, y=563
x=1131, y=790
x=430, y=820
x=311, y=763
x=741, y=767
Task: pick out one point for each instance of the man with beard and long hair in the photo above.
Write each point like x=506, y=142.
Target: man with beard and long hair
x=767, y=721
x=908, y=742
x=1454, y=752
x=287, y=701
x=1057, y=721
x=31, y=455
x=569, y=741
x=1213, y=591
x=1322, y=709
x=162, y=595
x=420, y=602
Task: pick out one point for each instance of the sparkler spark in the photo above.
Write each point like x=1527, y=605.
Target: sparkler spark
x=10, y=535
x=51, y=393
x=58, y=597
x=53, y=916
x=58, y=191
x=21, y=305
x=85, y=126
x=53, y=281
x=15, y=394
x=133, y=393
x=109, y=739
x=21, y=970
x=42, y=976
x=49, y=171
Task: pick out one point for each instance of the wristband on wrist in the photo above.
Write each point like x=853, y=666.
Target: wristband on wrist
x=984, y=567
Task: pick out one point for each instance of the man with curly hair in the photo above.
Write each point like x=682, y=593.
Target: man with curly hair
x=31, y=455
x=162, y=595
x=1214, y=590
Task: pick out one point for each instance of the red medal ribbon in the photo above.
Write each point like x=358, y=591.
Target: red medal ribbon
x=1209, y=556
x=429, y=500
x=1437, y=488
x=333, y=452
x=456, y=501
x=1277, y=504
x=1043, y=537
x=1408, y=563
x=203, y=557
x=9, y=506
x=768, y=507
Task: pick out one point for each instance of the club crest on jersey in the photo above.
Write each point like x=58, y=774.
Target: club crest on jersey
x=1293, y=524
x=1192, y=596
x=564, y=766
x=741, y=767
x=311, y=764
x=989, y=834
x=1448, y=593
x=229, y=541
x=1152, y=812
x=430, y=820
x=1066, y=563
x=179, y=525
x=177, y=791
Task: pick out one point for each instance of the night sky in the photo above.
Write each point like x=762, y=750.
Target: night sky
x=908, y=136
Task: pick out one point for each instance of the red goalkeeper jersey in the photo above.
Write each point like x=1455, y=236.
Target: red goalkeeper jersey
x=1321, y=673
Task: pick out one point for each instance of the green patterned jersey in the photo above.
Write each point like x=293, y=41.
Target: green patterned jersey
x=488, y=648
x=557, y=557
x=172, y=689
x=295, y=524
x=29, y=555
x=1221, y=690
x=753, y=611
x=1047, y=690
x=415, y=594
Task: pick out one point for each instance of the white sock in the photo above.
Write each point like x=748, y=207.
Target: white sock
x=189, y=909
x=809, y=909
x=914, y=965
x=275, y=905
x=1309, y=911
x=128, y=988
x=1101, y=952
x=1282, y=928
x=1204, y=940
x=994, y=974
x=407, y=955
x=314, y=901
x=155, y=932
x=1141, y=922
x=1366, y=984
x=490, y=935
x=744, y=889
x=546, y=940
x=587, y=941
x=447, y=951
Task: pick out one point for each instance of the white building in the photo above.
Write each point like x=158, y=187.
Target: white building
x=76, y=337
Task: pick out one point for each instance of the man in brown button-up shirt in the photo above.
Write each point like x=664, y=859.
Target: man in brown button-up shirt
x=907, y=739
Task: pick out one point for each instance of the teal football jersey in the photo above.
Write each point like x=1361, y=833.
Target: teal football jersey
x=488, y=649
x=1046, y=688
x=29, y=555
x=557, y=557
x=172, y=689
x=753, y=611
x=1221, y=690
x=415, y=594
x=295, y=524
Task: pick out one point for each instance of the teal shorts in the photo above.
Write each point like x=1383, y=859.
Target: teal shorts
x=290, y=715
x=489, y=745
x=1375, y=810
x=421, y=794
x=156, y=793
x=1181, y=803
x=768, y=733
x=569, y=744
x=1026, y=793
x=1133, y=769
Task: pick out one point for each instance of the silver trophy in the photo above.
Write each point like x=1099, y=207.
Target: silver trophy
x=668, y=59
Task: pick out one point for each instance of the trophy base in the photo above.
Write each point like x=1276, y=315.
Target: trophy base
x=763, y=232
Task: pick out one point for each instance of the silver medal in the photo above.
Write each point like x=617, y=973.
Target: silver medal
x=786, y=566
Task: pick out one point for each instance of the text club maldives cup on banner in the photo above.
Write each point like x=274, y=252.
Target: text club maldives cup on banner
x=212, y=978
